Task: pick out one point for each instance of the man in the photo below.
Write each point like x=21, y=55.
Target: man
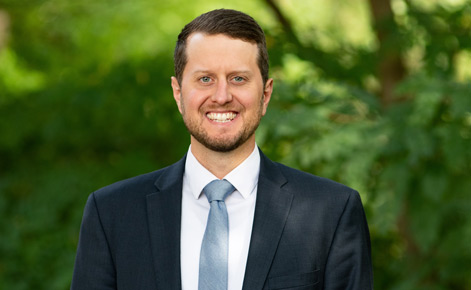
x=272, y=227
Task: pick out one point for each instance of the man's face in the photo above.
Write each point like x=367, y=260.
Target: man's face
x=222, y=96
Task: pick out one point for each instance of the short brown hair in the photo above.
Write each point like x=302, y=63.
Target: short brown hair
x=232, y=23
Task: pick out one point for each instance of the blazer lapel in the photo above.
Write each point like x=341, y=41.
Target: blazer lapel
x=164, y=219
x=271, y=212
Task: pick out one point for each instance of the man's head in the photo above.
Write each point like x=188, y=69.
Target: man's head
x=220, y=90
x=231, y=23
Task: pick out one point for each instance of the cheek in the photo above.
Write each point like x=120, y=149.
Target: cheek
x=192, y=100
x=249, y=98
x=254, y=102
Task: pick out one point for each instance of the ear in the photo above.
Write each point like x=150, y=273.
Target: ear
x=267, y=91
x=177, y=92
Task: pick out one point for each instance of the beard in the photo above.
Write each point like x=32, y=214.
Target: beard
x=223, y=143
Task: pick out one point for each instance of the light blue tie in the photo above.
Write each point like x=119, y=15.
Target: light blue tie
x=214, y=249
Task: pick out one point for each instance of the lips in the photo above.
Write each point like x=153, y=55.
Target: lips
x=221, y=117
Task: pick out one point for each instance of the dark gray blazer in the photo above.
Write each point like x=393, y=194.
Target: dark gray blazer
x=308, y=233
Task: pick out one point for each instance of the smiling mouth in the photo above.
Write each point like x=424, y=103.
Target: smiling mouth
x=221, y=117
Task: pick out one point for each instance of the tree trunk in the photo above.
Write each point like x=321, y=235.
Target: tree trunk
x=4, y=27
x=390, y=67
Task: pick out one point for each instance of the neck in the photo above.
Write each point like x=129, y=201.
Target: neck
x=221, y=163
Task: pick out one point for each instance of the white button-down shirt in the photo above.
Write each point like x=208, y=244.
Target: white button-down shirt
x=195, y=209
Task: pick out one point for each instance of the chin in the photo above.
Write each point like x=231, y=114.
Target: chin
x=222, y=146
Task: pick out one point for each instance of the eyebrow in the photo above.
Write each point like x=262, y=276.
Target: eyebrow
x=232, y=72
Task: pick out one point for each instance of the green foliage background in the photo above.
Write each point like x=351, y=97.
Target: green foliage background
x=376, y=95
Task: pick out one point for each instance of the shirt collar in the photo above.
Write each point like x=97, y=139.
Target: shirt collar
x=244, y=177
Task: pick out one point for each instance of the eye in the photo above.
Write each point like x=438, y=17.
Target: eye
x=205, y=79
x=238, y=79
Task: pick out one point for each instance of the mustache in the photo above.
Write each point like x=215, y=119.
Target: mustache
x=225, y=107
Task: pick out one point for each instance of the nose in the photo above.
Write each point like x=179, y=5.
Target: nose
x=222, y=95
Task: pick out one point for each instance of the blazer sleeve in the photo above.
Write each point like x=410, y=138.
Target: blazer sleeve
x=349, y=260
x=94, y=266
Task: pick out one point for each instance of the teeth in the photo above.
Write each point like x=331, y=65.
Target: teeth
x=221, y=117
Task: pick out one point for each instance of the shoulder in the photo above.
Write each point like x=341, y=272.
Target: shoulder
x=142, y=183
x=301, y=179
x=325, y=198
x=294, y=178
x=139, y=186
x=307, y=187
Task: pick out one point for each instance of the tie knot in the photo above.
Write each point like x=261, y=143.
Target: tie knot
x=218, y=190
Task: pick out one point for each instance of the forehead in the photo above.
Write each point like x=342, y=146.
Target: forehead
x=219, y=48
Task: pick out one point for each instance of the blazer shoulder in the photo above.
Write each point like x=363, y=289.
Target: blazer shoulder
x=301, y=181
x=143, y=184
